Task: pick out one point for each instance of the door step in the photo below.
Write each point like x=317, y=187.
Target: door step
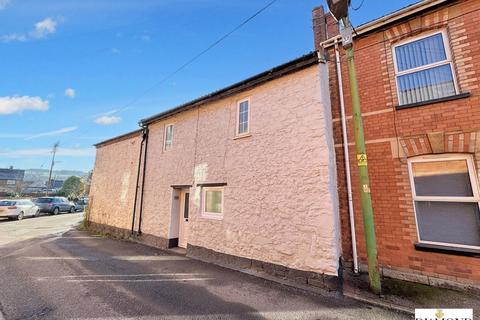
x=178, y=250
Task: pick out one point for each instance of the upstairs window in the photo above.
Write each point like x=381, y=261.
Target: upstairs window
x=243, y=117
x=168, y=142
x=424, y=69
x=446, y=200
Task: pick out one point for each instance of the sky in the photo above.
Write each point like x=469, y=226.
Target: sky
x=79, y=71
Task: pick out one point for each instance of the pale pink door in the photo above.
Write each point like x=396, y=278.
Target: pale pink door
x=183, y=219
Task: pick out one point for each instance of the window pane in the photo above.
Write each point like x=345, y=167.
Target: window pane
x=243, y=117
x=433, y=83
x=421, y=52
x=213, y=201
x=442, y=178
x=449, y=222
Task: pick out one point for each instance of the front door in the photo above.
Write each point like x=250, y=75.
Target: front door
x=183, y=219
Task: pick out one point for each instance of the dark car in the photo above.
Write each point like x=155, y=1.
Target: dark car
x=81, y=204
x=55, y=205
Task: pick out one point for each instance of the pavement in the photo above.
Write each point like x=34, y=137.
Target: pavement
x=61, y=273
x=29, y=228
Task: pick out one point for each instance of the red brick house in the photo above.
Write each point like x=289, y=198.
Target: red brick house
x=418, y=72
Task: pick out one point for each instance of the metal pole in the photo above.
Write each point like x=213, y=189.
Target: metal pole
x=54, y=151
x=362, y=163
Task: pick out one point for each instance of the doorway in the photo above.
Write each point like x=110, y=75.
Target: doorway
x=183, y=218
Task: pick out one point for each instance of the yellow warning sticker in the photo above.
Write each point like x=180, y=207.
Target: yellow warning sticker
x=361, y=159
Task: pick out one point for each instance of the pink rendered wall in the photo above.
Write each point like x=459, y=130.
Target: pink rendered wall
x=280, y=204
x=113, y=183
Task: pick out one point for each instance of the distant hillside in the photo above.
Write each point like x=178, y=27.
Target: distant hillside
x=42, y=174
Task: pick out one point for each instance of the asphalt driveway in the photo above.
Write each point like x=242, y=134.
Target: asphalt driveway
x=79, y=276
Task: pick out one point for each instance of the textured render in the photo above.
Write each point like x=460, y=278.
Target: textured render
x=280, y=201
x=113, y=183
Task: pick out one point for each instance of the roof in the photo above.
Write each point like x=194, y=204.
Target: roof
x=118, y=138
x=292, y=66
x=300, y=63
x=398, y=15
x=12, y=174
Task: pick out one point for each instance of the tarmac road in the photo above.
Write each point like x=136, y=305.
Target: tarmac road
x=75, y=275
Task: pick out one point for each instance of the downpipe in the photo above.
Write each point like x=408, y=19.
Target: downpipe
x=145, y=132
x=346, y=156
x=138, y=181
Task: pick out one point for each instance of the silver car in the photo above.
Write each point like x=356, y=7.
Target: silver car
x=18, y=209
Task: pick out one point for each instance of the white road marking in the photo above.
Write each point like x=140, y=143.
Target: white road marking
x=150, y=258
x=124, y=258
x=59, y=258
x=119, y=276
x=139, y=280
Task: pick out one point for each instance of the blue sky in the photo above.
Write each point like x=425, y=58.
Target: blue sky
x=68, y=65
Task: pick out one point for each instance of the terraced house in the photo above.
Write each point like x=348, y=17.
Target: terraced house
x=418, y=77
x=255, y=175
x=245, y=175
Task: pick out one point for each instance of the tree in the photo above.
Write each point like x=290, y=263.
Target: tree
x=73, y=187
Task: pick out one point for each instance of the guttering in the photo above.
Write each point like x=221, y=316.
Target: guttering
x=145, y=130
x=138, y=180
x=387, y=19
x=118, y=138
x=346, y=158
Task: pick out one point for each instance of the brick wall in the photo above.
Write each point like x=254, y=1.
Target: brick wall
x=393, y=135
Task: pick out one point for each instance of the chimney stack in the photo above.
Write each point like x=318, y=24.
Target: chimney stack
x=324, y=26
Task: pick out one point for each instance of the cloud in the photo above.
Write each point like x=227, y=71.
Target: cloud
x=70, y=92
x=4, y=4
x=51, y=133
x=107, y=120
x=44, y=28
x=41, y=30
x=47, y=152
x=16, y=104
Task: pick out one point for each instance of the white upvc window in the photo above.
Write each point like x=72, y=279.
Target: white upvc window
x=423, y=68
x=243, y=117
x=446, y=200
x=212, y=202
x=168, y=139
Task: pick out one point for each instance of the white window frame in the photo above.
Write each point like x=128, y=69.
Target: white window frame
x=237, y=128
x=473, y=181
x=166, y=146
x=449, y=60
x=212, y=215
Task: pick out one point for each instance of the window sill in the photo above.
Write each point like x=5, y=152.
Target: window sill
x=447, y=249
x=211, y=216
x=433, y=101
x=242, y=136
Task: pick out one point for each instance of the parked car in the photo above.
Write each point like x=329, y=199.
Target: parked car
x=18, y=209
x=55, y=205
x=81, y=204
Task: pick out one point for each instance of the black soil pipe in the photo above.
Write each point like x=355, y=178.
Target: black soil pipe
x=143, y=181
x=138, y=180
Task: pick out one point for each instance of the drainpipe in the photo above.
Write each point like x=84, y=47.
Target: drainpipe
x=145, y=133
x=138, y=180
x=347, y=160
